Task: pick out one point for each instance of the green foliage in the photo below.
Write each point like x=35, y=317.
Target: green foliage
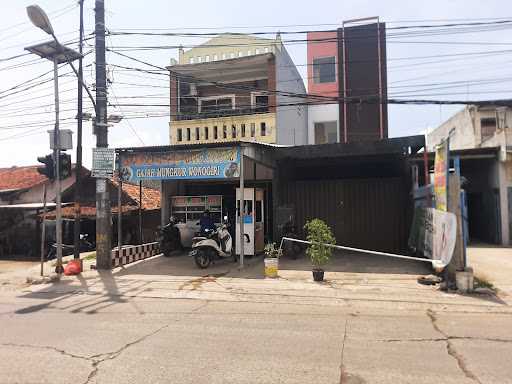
x=319, y=233
x=272, y=252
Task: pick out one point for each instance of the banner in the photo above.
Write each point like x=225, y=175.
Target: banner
x=205, y=163
x=433, y=235
x=441, y=176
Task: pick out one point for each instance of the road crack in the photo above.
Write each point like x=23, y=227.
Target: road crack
x=450, y=348
x=100, y=358
x=61, y=351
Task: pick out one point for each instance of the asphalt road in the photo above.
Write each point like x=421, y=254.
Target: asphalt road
x=161, y=322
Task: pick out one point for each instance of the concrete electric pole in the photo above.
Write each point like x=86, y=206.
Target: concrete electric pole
x=103, y=212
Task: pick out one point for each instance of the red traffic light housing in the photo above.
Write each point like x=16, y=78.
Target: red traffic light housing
x=49, y=167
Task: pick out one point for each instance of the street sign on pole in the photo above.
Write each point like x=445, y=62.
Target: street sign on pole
x=103, y=162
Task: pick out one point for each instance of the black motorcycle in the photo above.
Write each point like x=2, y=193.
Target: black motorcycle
x=291, y=249
x=85, y=245
x=169, y=238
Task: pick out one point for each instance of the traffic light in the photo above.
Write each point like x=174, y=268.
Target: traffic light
x=64, y=165
x=49, y=168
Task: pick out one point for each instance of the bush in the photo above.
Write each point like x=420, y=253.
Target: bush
x=320, y=235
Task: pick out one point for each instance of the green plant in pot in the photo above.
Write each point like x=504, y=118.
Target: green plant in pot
x=271, y=252
x=320, y=250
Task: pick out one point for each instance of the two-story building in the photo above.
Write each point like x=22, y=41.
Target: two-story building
x=488, y=178
x=237, y=88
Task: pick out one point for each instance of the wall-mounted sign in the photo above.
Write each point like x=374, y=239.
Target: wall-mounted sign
x=441, y=176
x=103, y=161
x=205, y=163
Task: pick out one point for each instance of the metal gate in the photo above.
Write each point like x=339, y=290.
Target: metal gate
x=366, y=213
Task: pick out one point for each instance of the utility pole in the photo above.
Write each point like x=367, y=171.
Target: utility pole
x=56, y=160
x=78, y=171
x=103, y=210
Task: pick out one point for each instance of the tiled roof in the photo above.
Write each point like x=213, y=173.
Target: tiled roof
x=87, y=211
x=150, y=201
x=14, y=178
x=150, y=196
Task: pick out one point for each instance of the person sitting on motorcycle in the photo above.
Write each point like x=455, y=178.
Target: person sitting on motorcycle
x=206, y=223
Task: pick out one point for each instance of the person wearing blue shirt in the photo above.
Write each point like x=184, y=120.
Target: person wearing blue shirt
x=206, y=222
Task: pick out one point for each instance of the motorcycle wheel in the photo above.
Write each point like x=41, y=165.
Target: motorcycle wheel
x=51, y=254
x=202, y=259
x=292, y=250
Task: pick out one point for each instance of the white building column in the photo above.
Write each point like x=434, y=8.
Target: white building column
x=503, y=189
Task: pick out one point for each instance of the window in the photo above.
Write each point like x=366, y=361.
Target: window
x=215, y=132
x=216, y=104
x=191, y=60
x=263, y=129
x=324, y=70
x=266, y=49
x=232, y=55
x=233, y=131
x=179, y=135
x=242, y=129
x=257, y=51
x=326, y=132
x=488, y=127
x=188, y=134
x=224, y=132
x=253, y=129
x=206, y=133
x=224, y=56
x=240, y=53
x=207, y=58
x=198, y=133
x=199, y=59
x=259, y=102
x=215, y=57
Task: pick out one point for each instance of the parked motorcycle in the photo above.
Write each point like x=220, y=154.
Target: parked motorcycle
x=169, y=237
x=215, y=244
x=85, y=245
x=290, y=248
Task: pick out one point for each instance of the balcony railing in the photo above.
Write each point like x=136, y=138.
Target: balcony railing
x=184, y=115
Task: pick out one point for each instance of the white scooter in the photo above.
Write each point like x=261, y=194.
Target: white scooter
x=215, y=244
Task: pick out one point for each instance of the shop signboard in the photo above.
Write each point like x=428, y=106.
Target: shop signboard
x=194, y=164
x=441, y=176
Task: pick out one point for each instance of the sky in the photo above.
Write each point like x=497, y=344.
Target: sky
x=419, y=66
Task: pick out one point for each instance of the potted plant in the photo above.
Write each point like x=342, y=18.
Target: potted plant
x=320, y=250
x=272, y=255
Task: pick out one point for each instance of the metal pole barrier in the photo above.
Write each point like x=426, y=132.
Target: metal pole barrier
x=43, y=230
x=56, y=154
x=359, y=250
x=241, y=211
x=119, y=216
x=141, y=240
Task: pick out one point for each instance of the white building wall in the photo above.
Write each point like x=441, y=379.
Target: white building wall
x=464, y=132
x=321, y=113
x=291, y=121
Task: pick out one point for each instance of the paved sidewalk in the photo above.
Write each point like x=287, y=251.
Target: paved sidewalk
x=494, y=264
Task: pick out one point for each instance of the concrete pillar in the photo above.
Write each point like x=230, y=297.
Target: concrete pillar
x=503, y=189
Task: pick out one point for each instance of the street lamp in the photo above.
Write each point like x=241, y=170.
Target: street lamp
x=58, y=54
